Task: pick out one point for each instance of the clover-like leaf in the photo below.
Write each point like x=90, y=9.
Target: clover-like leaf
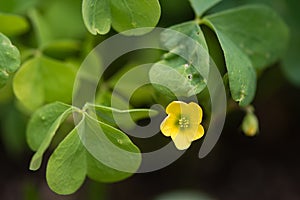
x=67, y=167
x=96, y=15
x=184, y=70
x=201, y=6
x=94, y=149
x=255, y=29
x=42, y=128
x=100, y=15
x=172, y=75
x=9, y=59
x=249, y=38
x=109, y=145
x=241, y=74
x=131, y=14
x=41, y=80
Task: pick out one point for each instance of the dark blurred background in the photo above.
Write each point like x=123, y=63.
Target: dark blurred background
x=262, y=167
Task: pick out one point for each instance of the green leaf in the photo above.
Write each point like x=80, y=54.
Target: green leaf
x=13, y=24
x=255, y=29
x=174, y=72
x=241, y=74
x=109, y=145
x=62, y=48
x=48, y=79
x=64, y=19
x=247, y=46
x=100, y=15
x=9, y=59
x=50, y=115
x=17, y=6
x=291, y=63
x=74, y=158
x=102, y=173
x=6, y=93
x=41, y=28
x=92, y=148
x=131, y=14
x=201, y=6
x=96, y=16
x=249, y=38
x=171, y=74
x=122, y=118
x=66, y=167
x=42, y=128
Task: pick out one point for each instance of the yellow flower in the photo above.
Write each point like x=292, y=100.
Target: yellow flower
x=183, y=123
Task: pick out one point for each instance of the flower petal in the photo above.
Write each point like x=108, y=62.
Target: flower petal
x=176, y=107
x=192, y=133
x=195, y=113
x=168, y=126
x=181, y=141
x=199, y=133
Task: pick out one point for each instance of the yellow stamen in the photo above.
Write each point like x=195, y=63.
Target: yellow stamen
x=184, y=122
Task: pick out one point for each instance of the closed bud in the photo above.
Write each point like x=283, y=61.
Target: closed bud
x=250, y=125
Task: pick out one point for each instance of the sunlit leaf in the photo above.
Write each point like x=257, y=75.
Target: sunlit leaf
x=13, y=24
x=43, y=80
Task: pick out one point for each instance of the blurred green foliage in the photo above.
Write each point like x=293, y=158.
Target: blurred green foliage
x=48, y=40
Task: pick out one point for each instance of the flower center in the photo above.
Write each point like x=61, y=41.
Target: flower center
x=184, y=122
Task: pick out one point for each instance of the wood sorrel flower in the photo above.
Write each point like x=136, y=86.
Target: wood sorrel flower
x=183, y=123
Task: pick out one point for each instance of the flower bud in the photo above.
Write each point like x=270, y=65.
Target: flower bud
x=250, y=125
